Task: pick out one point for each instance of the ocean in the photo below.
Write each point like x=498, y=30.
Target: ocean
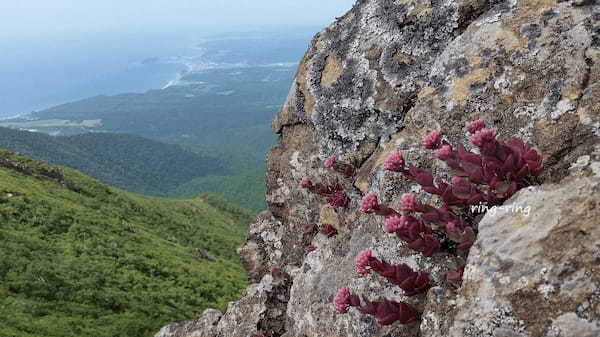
x=40, y=72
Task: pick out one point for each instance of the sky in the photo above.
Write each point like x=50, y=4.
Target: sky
x=42, y=17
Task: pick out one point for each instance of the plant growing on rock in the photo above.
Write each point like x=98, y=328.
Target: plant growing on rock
x=385, y=311
x=328, y=230
x=280, y=273
x=402, y=275
x=333, y=193
x=343, y=168
x=408, y=228
x=490, y=176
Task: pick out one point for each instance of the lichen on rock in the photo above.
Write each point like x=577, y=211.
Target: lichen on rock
x=379, y=79
x=533, y=275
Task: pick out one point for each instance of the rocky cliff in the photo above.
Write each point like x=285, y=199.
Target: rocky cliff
x=379, y=79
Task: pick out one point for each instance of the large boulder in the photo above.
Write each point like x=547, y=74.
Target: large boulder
x=379, y=79
x=534, y=270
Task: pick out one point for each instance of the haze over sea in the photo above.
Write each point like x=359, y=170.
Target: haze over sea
x=41, y=72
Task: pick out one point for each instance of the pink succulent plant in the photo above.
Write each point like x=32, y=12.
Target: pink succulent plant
x=393, y=223
x=432, y=141
x=475, y=125
x=341, y=300
x=408, y=202
x=386, y=312
x=305, y=182
x=489, y=176
x=361, y=262
x=444, y=152
x=394, y=162
x=338, y=199
x=328, y=230
x=333, y=193
x=483, y=136
x=400, y=275
x=370, y=204
x=464, y=235
x=329, y=162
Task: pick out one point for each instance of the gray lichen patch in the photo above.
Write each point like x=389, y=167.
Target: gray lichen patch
x=387, y=46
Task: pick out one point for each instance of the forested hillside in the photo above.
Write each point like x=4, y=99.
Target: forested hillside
x=146, y=166
x=247, y=188
x=78, y=258
x=129, y=162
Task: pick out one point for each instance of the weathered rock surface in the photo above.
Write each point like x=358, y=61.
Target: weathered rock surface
x=261, y=308
x=379, y=79
x=530, y=275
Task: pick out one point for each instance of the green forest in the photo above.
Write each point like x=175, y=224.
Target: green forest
x=79, y=258
x=152, y=167
x=247, y=189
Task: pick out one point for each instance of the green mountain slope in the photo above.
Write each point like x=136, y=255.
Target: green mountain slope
x=241, y=149
x=246, y=189
x=146, y=166
x=125, y=161
x=78, y=258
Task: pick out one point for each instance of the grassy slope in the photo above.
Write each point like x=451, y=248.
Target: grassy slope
x=68, y=267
